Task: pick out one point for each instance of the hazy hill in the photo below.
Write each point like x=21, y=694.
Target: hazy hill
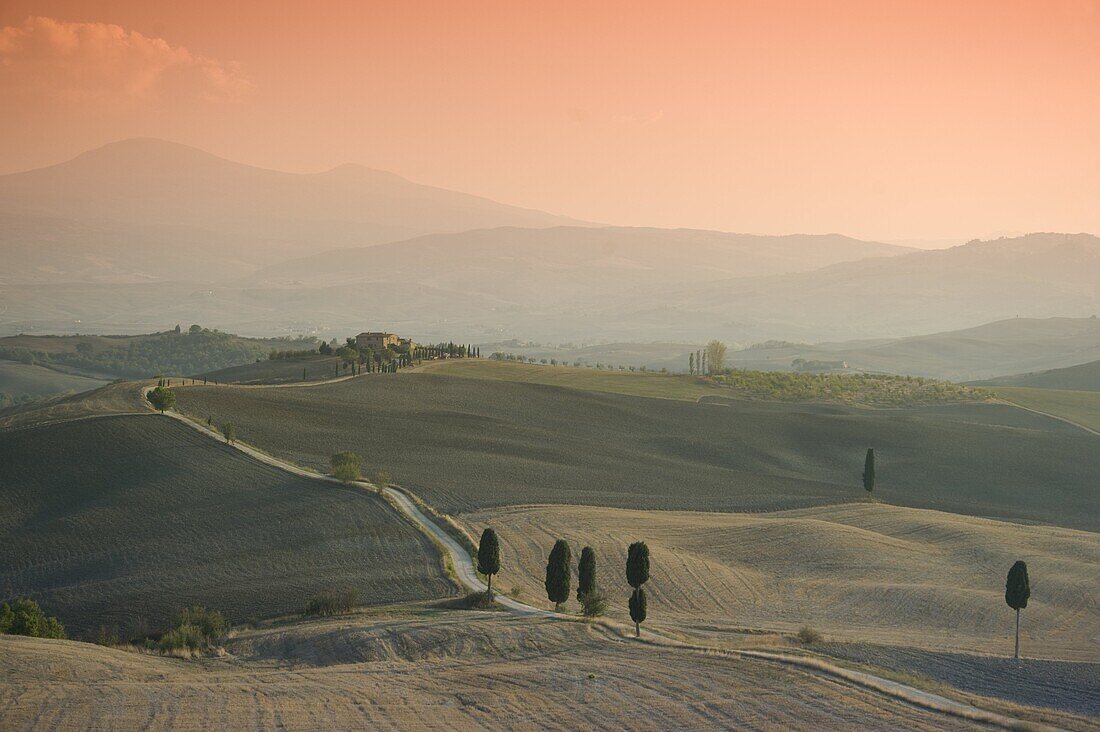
x=1082, y=377
x=525, y=265
x=150, y=209
x=1003, y=347
x=1038, y=275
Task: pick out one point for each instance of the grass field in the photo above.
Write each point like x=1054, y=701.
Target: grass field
x=659, y=386
x=869, y=572
x=122, y=521
x=460, y=670
x=118, y=398
x=1080, y=407
x=277, y=371
x=464, y=444
x=18, y=379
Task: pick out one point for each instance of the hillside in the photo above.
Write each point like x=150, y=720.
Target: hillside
x=1082, y=377
x=870, y=572
x=456, y=671
x=192, y=351
x=20, y=381
x=146, y=209
x=465, y=444
x=1037, y=276
x=122, y=521
x=1002, y=347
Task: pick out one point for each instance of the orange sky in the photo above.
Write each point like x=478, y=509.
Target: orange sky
x=882, y=119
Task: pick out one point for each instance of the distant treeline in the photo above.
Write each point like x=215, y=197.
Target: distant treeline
x=194, y=351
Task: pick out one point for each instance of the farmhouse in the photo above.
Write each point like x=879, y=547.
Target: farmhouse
x=379, y=341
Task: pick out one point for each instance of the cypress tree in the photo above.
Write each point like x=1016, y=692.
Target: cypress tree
x=586, y=573
x=1017, y=592
x=557, y=573
x=691, y=363
x=488, y=557
x=637, y=564
x=869, y=470
x=637, y=610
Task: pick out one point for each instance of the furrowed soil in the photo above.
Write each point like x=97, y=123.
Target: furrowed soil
x=858, y=572
x=459, y=670
x=122, y=521
x=467, y=444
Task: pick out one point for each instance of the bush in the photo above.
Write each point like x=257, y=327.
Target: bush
x=25, y=617
x=162, y=398
x=593, y=604
x=807, y=635
x=346, y=466
x=197, y=629
x=332, y=602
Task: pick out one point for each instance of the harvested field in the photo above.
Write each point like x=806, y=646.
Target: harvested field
x=464, y=444
x=1066, y=685
x=857, y=572
x=458, y=670
x=278, y=371
x=1079, y=407
x=122, y=521
x=18, y=379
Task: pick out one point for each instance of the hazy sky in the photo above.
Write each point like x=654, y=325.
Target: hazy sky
x=881, y=119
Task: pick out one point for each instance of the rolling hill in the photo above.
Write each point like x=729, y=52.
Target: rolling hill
x=465, y=444
x=145, y=210
x=1082, y=377
x=122, y=521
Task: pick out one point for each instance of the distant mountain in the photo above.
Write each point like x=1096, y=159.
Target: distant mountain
x=146, y=209
x=1082, y=377
x=993, y=349
x=1038, y=275
x=526, y=265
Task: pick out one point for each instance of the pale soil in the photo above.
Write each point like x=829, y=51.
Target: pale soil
x=456, y=670
x=869, y=572
x=119, y=398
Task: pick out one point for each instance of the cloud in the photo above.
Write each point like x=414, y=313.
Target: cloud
x=78, y=62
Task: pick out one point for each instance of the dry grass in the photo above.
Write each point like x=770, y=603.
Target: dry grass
x=869, y=572
x=1079, y=407
x=459, y=670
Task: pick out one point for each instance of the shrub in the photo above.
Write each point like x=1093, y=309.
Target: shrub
x=197, y=629
x=383, y=479
x=25, y=617
x=346, y=466
x=593, y=604
x=332, y=602
x=807, y=635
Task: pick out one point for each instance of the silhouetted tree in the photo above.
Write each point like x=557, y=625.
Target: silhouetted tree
x=869, y=470
x=557, y=573
x=638, y=610
x=1017, y=592
x=488, y=557
x=586, y=573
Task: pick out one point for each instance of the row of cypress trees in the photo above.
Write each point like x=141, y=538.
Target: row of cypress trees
x=559, y=577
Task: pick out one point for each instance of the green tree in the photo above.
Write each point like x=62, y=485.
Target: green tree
x=557, y=573
x=869, y=470
x=638, y=610
x=1017, y=593
x=691, y=363
x=162, y=398
x=586, y=573
x=715, y=357
x=346, y=466
x=488, y=557
x=229, y=431
x=25, y=617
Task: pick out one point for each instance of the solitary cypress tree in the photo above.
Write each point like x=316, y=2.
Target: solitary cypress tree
x=488, y=557
x=637, y=610
x=869, y=470
x=586, y=573
x=1017, y=592
x=691, y=363
x=557, y=573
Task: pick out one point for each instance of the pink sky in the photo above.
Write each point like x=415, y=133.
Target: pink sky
x=884, y=119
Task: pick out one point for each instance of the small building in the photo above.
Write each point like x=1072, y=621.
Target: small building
x=379, y=341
